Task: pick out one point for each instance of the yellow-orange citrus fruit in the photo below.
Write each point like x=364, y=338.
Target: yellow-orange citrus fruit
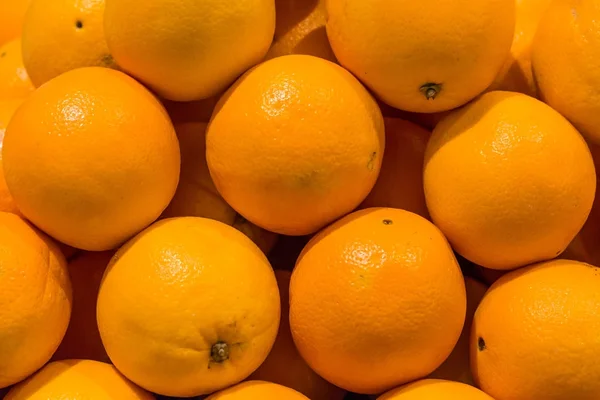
x=400, y=182
x=191, y=49
x=82, y=340
x=535, y=333
x=188, y=307
x=422, y=56
x=118, y=152
x=196, y=194
x=295, y=143
x=14, y=80
x=285, y=366
x=77, y=380
x=7, y=109
x=457, y=366
x=300, y=29
x=61, y=35
x=517, y=75
x=35, y=298
x=508, y=180
x=566, y=62
x=377, y=299
x=12, y=13
x=435, y=389
x=258, y=390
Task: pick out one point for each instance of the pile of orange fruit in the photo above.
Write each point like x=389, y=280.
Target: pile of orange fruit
x=299, y=199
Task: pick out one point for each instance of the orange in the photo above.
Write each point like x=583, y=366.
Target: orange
x=517, y=75
x=377, y=299
x=188, y=307
x=196, y=194
x=62, y=35
x=82, y=340
x=285, y=366
x=400, y=182
x=422, y=56
x=14, y=81
x=192, y=49
x=566, y=62
x=35, y=299
x=295, y=143
x=258, y=390
x=535, y=333
x=434, y=389
x=300, y=29
x=457, y=366
x=7, y=109
x=118, y=152
x=508, y=180
x=12, y=13
x=77, y=380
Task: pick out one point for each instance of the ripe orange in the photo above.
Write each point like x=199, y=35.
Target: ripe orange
x=422, y=56
x=188, y=307
x=400, y=182
x=565, y=59
x=12, y=13
x=82, y=340
x=77, y=380
x=508, y=180
x=300, y=29
x=434, y=389
x=14, y=81
x=284, y=365
x=457, y=366
x=192, y=49
x=118, y=152
x=377, y=299
x=61, y=35
x=258, y=390
x=296, y=143
x=196, y=194
x=35, y=299
x=517, y=75
x=7, y=109
x=535, y=333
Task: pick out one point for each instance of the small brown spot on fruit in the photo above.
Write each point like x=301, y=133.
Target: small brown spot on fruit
x=3, y=54
x=78, y=24
x=431, y=90
x=107, y=61
x=219, y=352
x=481, y=344
x=388, y=222
x=371, y=163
